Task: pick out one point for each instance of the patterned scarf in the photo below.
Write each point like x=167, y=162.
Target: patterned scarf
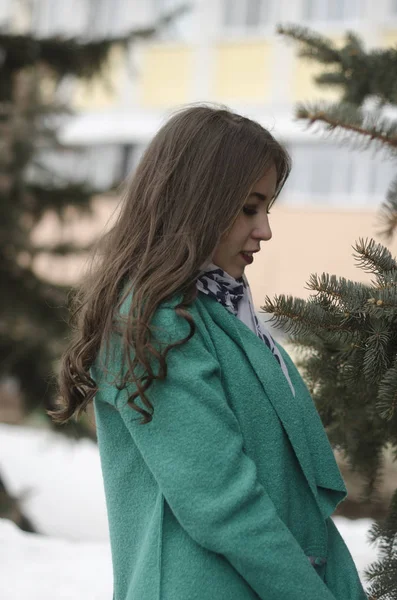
x=235, y=295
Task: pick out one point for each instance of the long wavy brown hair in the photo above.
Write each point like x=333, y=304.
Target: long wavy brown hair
x=184, y=196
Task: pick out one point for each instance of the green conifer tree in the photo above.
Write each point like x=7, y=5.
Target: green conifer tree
x=33, y=311
x=346, y=330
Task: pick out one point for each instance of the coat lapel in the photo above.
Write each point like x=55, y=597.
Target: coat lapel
x=330, y=485
x=272, y=379
x=297, y=414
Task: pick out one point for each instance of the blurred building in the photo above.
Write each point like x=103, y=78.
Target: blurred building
x=228, y=52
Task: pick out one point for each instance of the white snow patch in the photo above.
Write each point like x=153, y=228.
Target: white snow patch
x=58, y=479
x=35, y=567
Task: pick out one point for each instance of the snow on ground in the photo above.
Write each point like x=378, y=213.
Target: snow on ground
x=60, y=483
x=60, y=480
x=36, y=567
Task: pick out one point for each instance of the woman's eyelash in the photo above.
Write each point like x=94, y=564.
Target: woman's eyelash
x=252, y=211
x=249, y=211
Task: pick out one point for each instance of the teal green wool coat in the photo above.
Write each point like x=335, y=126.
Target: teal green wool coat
x=229, y=489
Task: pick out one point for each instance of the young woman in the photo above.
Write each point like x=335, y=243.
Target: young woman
x=219, y=478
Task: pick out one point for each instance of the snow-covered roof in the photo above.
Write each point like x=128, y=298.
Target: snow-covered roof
x=125, y=127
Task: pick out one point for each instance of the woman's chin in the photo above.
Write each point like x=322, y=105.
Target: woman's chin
x=235, y=272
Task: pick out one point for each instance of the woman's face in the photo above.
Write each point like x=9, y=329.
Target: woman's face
x=235, y=251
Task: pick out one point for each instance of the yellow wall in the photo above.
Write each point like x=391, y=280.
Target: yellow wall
x=304, y=241
x=309, y=241
x=166, y=75
x=389, y=38
x=102, y=92
x=242, y=72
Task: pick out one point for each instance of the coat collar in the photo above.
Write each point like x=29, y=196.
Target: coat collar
x=298, y=414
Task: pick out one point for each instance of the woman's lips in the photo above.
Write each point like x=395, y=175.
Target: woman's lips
x=247, y=257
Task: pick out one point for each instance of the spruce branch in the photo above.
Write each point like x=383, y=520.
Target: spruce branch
x=299, y=317
x=387, y=394
x=312, y=45
x=373, y=258
x=347, y=118
x=381, y=574
x=358, y=73
x=386, y=283
x=287, y=312
x=388, y=212
x=75, y=56
x=348, y=296
x=383, y=300
x=56, y=197
x=376, y=357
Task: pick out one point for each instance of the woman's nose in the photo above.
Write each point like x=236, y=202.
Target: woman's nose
x=263, y=232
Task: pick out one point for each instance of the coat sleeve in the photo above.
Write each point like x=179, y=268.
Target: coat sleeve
x=194, y=448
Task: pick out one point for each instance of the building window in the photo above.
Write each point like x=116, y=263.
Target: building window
x=88, y=18
x=5, y=14
x=336, y=10
x=101, y=166
x=55, y=18
x=308, y=10
x=313, y=172
x=253, y=13
x=331, y=10
x=106, y=18
x=246, y=14
x=179, y=28
x=335, y=175
x=129, y=156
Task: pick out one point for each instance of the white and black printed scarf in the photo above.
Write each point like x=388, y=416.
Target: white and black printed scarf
x=235, y=295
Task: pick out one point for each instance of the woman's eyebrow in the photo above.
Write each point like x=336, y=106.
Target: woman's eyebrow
x=258, y=195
